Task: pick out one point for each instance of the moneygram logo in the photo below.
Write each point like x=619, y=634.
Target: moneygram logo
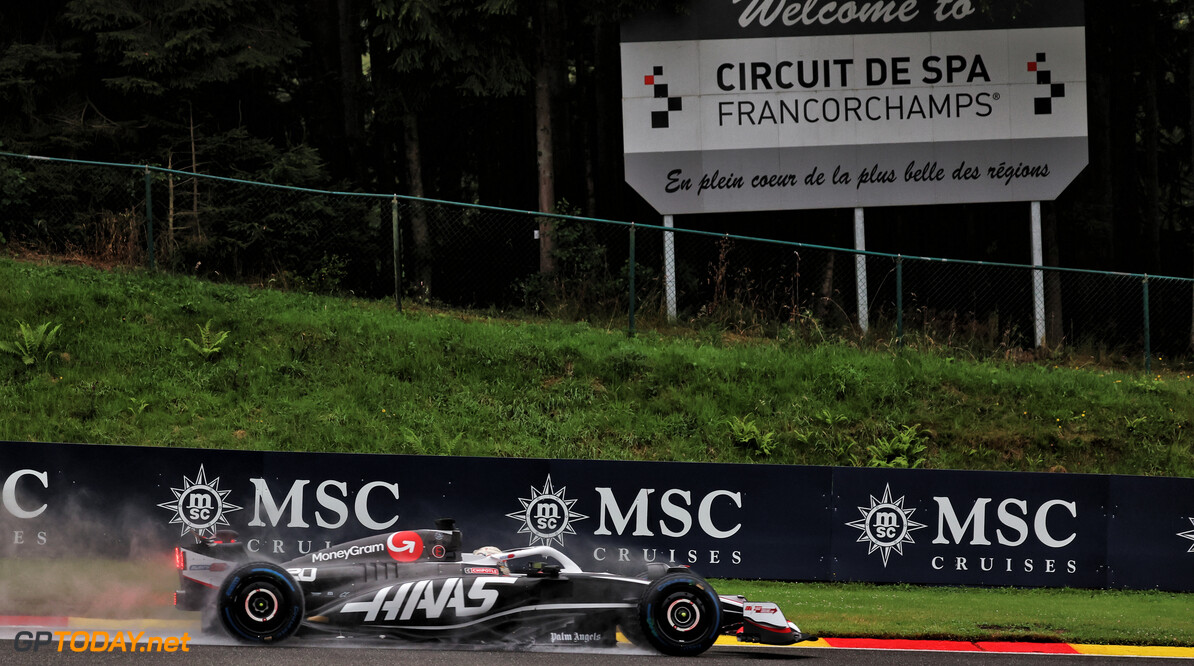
x=546, y=515
x=886, y=525
x=199, y=506
x=345, y=553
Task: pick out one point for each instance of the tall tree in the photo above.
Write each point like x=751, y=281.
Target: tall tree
x=155, y=71
x=549, y=23
x=425, y=46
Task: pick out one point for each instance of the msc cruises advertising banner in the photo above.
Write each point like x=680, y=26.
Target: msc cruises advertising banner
x=777, y=522
x=738, y=105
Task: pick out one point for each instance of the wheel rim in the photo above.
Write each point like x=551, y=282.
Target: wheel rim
x=683, y=615
x=684, y=618
x=261, y=605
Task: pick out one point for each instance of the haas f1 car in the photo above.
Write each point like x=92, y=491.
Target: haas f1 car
x=417, y=585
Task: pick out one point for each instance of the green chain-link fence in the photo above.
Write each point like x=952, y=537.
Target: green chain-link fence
x=614, y=273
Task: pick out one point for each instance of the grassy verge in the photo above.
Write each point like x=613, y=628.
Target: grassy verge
x=904, y=611
x=284, y=371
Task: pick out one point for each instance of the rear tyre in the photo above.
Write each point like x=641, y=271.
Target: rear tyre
x=260, y=603
x=679, y=615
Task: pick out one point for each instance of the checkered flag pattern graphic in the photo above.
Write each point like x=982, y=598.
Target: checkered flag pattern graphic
x=661, y=118
x=1043, y=106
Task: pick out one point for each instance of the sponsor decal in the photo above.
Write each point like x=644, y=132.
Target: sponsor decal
x=429, y=599
x=9, y=495
x=98, y=641
x=576, y=637
x=482, y=571
x=546, y=515
x=1188, y=535
x=304, y=574
x=331, y=496
x=199, y=506
x=405, y=546
x=345, y=553
x=886, y=525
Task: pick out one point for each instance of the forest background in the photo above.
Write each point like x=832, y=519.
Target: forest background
x=517, y=104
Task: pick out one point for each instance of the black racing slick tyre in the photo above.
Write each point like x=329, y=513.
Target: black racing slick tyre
x=260, y=603
x=679, y=615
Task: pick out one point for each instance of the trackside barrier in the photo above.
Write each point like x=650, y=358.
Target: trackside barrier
x=604, y=271
x=736, y=521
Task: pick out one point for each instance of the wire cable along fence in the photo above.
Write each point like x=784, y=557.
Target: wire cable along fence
x=609, y=272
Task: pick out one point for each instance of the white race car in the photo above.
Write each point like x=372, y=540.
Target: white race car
x=417, y=585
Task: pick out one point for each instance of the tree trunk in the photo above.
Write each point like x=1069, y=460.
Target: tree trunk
x=420, y=232
x=1123, y=105
x=1190, y=102
x=195, y=181
x=1054, y=330
x=549, y=59
x=821, y=305
x=384, y=129
x=351, y=47
x=1099, y=226
x=609, y=160
x=1150, y=133
x=170, y=243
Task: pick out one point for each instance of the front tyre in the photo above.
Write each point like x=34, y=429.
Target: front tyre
x=260, y=603
x=679, y=615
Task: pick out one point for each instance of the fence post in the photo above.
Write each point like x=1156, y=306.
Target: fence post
x=149, y=218
x=397, y=249
x=631, y=332
x=1148, y=352
x=899, y=300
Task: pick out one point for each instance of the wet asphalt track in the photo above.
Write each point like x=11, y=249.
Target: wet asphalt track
x=331, y=652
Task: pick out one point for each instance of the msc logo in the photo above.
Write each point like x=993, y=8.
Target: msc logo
x=886, y=525
x=199, y=505
x=1188, y=535
x=1043, y=106
x=547, y=515
x=661, y=118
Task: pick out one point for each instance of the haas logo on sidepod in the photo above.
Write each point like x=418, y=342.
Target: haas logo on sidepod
x=429, y=599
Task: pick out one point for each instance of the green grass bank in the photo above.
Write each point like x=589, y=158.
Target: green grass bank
x=157, y=360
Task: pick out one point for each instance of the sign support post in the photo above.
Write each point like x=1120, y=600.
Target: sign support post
x=860, y=270
x=1038, y=278
x=669, y=267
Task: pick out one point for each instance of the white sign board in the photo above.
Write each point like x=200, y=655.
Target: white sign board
x=743, y=105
